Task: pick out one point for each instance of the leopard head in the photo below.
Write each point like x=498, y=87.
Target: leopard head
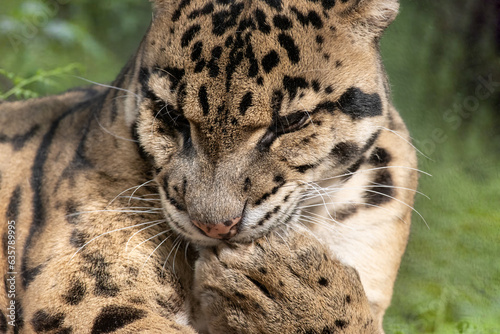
x=244, y=103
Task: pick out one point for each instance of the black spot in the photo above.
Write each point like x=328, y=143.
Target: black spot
x=338, y=63
x=207, y=9
x=78, y=238
x=355, y=166
x=282, y=22
x=357, y=104
x=247, y=185
x=304, y=168
x=98, y=268
x=270, y=61
x=197, y=50
x=348, y=299
x=203, y=97
x=114, y=317
x=189, y=35
x=311, y=18
x=44, y=322
x=381, y=191
x=380, y=157
x=263, y=198
x=342, y=215
x=226, y=19
x=76, y=293
x=178, y=11
x=345, y=152
x=254, y=66
x=315, y=86
x=246, y=102
x=200, y=66
x=213, y=66
x=323, y=281
x=341, y=323
x=288, y=43
x=263, y=270
x=329, y=4
x=279, y=179
x=293, y=84
x=320, y=40
x=262, y=21
x=329, y=90
x=260, y=81
x=276, y=4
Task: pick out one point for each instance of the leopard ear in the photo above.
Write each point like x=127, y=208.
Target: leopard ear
x=370, y=16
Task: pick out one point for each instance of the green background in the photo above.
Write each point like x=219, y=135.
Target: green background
x=439, y=55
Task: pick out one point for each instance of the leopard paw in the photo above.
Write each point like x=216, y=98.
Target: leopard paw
x=277, y=285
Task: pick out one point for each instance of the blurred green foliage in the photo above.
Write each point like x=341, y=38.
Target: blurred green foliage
x=444, y=65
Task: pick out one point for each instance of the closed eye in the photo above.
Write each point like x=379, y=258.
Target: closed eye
x=283, y=125
x=292, y=122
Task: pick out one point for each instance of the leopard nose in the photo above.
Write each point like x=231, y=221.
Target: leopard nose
x=223, y=231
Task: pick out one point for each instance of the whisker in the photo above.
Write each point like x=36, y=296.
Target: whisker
x=111, y=133
x=106, y=233
x=153, y=224
x=119, y=195
x=107, y=86
x=149, y=239
x=404, y=139
x=139, y=187
x=154, y=250
x=174, y=244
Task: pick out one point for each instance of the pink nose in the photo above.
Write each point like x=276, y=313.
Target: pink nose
x=225, y=230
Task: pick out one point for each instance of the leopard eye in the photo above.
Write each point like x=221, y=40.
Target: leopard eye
x=292, y=123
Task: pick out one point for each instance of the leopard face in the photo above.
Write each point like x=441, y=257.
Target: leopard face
x=244, y=103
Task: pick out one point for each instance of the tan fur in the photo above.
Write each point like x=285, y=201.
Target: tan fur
x=281, y=117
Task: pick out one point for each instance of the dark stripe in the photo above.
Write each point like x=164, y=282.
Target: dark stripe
x=14, y=204
x=37, y=178
x=18, y=141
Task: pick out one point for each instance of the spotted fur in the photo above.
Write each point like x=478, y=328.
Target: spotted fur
x=238, y=128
